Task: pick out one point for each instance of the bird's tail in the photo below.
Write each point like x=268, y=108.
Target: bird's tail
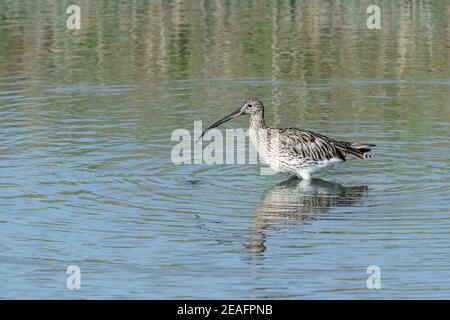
x=363, y=148
x=357, y=150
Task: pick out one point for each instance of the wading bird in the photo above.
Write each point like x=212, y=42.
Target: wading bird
x=301, y=153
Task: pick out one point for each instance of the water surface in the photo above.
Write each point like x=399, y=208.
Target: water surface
x=86, y=176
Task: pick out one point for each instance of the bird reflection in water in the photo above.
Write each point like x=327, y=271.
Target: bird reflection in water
x=298, y=201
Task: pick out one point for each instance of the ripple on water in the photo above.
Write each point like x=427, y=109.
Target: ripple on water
x=86, y=177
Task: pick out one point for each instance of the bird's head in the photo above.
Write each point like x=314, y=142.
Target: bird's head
x=251, y=106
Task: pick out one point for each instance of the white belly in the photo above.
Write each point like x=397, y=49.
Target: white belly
x=299, y=167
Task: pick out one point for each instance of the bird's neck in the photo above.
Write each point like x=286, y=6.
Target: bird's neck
x=257, y=121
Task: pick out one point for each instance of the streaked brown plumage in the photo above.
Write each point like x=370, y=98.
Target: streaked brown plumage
x=291, y=150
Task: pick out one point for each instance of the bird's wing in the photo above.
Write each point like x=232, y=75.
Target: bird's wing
x=309, y=145
x=349, y=150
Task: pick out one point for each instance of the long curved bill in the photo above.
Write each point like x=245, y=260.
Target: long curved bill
x=232, y=115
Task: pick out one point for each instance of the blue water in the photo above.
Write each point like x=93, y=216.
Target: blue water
x=87, y=179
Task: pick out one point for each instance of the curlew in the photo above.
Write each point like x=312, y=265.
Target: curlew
x=297, y=152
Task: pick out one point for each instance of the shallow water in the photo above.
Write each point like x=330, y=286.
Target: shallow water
x=86, y=176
